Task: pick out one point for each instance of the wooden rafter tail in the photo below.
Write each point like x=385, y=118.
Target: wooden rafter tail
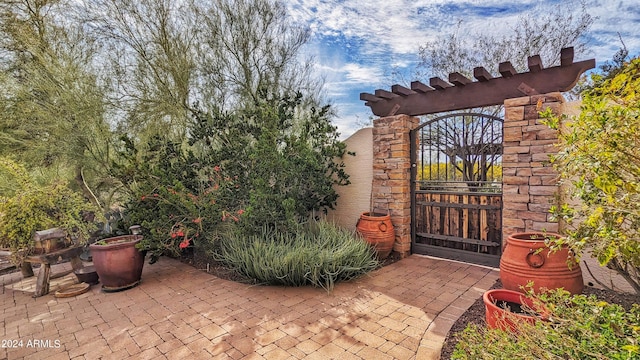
x=506, y=69
x=401, y=90
x=458, y=79
x=369, y=97
x=566, y=57
x=481, y=74
x=417, y=86
x=439, y=84
x=534, y=63
x=385, y=94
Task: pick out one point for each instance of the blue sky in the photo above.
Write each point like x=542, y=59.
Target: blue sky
x=358, y=43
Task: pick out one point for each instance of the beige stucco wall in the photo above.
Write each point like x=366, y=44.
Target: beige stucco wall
x=355, y=198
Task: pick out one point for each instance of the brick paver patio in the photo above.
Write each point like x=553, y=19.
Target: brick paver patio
x=402, y=311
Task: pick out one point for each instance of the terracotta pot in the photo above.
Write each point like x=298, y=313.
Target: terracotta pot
x=118, y=263
x=504, y=309
x=378, y=231
x=526, y=258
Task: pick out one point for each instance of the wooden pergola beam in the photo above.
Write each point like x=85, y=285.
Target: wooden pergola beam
x=463, y=93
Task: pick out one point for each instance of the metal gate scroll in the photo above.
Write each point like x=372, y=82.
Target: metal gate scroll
x=457, y=188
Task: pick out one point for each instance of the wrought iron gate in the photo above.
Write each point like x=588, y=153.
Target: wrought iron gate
x=457, y=188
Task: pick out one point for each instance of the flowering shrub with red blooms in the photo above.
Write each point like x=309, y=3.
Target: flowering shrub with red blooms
x=174, y=217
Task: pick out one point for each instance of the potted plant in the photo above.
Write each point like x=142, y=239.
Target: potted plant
x=118, y=261
x=31, y=207
x=504, y=308
x=531, y=256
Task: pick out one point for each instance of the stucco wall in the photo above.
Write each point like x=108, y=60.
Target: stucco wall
x=355, y=198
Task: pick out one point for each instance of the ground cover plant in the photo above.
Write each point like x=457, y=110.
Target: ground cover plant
x=319, y=254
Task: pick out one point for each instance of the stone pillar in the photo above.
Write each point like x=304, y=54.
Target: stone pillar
x=529, y=181
x=391, y=186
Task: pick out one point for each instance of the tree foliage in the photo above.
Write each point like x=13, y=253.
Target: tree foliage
x=51, y=106
x=268, y=166
x=600, y=159
x=165, y=57
x=286, y=157
x=249, y=47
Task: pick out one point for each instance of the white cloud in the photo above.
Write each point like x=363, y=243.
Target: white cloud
x=361, y=74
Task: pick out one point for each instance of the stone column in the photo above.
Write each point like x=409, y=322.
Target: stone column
x=529, y=181
x=391, y=186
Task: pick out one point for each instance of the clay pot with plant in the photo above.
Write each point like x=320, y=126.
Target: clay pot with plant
x=118, y=261
x=505, y=308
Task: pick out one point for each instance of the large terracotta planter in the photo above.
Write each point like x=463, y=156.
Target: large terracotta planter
x=504, y=309
x=526, y=258
x=118, y=263
x=378, y=231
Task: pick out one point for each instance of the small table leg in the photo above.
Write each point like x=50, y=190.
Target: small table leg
x=42, y=285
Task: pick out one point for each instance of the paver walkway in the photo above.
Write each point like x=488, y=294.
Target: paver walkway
x=402, y=311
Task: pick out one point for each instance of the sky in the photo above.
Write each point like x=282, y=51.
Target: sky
x=358, y=44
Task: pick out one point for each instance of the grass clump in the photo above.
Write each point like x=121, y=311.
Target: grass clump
x=578, y=327
x=320, y=254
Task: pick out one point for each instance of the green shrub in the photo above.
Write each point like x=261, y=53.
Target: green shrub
x=176, y=198
x=271, y=164
x=580, y=327
x=286, y=156
x=32, y=207
x=321, y=254
x=600, y=158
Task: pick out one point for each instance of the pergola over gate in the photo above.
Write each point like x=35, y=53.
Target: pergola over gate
x=527, y=180
x=462, y=93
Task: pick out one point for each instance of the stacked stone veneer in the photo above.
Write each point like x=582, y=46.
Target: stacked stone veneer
x=529, y=181
x=391, y=185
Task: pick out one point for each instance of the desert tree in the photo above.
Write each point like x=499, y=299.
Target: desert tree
x=51, y=103
x=252, y=50
x=168, y=60
x=148, y=58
